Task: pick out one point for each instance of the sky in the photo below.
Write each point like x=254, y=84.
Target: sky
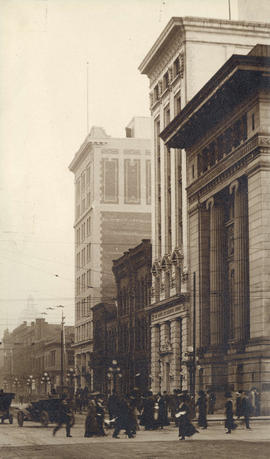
x=44, y=49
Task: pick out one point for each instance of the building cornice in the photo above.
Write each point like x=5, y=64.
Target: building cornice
x=194, y=23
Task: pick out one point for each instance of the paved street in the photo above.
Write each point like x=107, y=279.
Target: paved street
x=33, y=441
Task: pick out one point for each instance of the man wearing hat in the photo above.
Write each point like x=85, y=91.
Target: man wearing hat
x=229, y=421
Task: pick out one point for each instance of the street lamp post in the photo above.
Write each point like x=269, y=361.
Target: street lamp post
x=114, y=371
x=30, y=381
x=45, y=379
x=70, y=379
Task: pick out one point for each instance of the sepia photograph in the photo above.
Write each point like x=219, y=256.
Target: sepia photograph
x=135, y=229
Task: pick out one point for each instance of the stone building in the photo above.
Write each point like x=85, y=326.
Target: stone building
x=225, y=131
x=186, y=54
x=132, y=274
x=112, y=213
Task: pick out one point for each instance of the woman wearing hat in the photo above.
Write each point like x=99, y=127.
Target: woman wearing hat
x=186, y=428
x=229, y=421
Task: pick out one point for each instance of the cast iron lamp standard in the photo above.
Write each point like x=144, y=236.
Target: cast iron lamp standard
x=70, y=380
x=46, y=380
x=30, y=382
x=113, y=372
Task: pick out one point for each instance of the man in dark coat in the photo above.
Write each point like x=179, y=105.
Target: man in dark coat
x=202, y=406
x=147, y=418
x=238, y=411
x=229, y=422
x=124, y=419
x=246, y=408
x=162, y=412
x=64, y=416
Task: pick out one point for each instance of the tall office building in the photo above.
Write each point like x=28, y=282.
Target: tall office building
x=186, y=54
x=112, y=214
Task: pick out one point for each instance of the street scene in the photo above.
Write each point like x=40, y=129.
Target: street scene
x=135, y=269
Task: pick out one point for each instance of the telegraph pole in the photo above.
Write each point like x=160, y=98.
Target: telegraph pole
x=194, y=337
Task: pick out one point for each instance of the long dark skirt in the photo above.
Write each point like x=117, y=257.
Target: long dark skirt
x=186, y=428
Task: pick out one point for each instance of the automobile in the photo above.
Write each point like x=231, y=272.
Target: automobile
x=5, y=402
x=44, y=411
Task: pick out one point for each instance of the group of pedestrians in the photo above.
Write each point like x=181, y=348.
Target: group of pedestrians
x=133, y=411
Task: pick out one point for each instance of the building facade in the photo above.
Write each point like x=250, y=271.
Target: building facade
x=32, y=357
x=132, y=274
x=112, y=213
x=186, y=54
x=225, y=132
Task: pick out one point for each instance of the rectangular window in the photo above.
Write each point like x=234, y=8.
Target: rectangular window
x=52, y=358
x=132, y=181
x=88, y=175
x=88, y=279
x=176, y=67
x=177, y=103
x=78, y=236
x=83, y=205
x=88, y=252
x=83, y=232
x=83, y=184
x=83, y=257
x=88, y=226
x=166, y=115
x=78, y=264
x=110, y=180
x=166, y=81
x=88, y=200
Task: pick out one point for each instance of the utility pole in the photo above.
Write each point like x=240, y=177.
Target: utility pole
x=62, y=353
x=194, y=337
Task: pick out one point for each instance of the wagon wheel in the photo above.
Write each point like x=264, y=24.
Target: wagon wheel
x=44, y=418
x=20, y=418
x=10, y=419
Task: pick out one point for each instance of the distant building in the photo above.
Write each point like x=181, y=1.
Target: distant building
x=105, y=344
x=132, y=274
x=186, y=54
x=112, y=213
x=35, y=349
x=225, y=132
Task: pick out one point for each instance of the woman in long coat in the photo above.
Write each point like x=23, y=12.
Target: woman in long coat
x=91, y=425
x=229, y=421
x=186, y=428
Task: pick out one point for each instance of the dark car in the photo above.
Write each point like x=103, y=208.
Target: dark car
x=44, y=411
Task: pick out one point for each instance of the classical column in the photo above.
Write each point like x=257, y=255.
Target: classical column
x=176, y=347
x=155, y=358
x=240, y=303
x=217, y=271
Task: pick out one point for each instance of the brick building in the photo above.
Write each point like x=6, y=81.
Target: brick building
x=186, y=54
x=32, y=350
x=225, y=132
x=132, y=274
x=112, y=213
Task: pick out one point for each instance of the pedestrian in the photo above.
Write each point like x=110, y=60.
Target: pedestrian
x=112, y=404
x=238, y=410
x=91, y=425
x=64, y=416
x=211, y=401
x=100, y=414
x=123, y=420
x=162, y=419
x=229, y=421
x=246, y=408
x=147, y=417
x=186, y=428
x=202, y=406
x=257, y=402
